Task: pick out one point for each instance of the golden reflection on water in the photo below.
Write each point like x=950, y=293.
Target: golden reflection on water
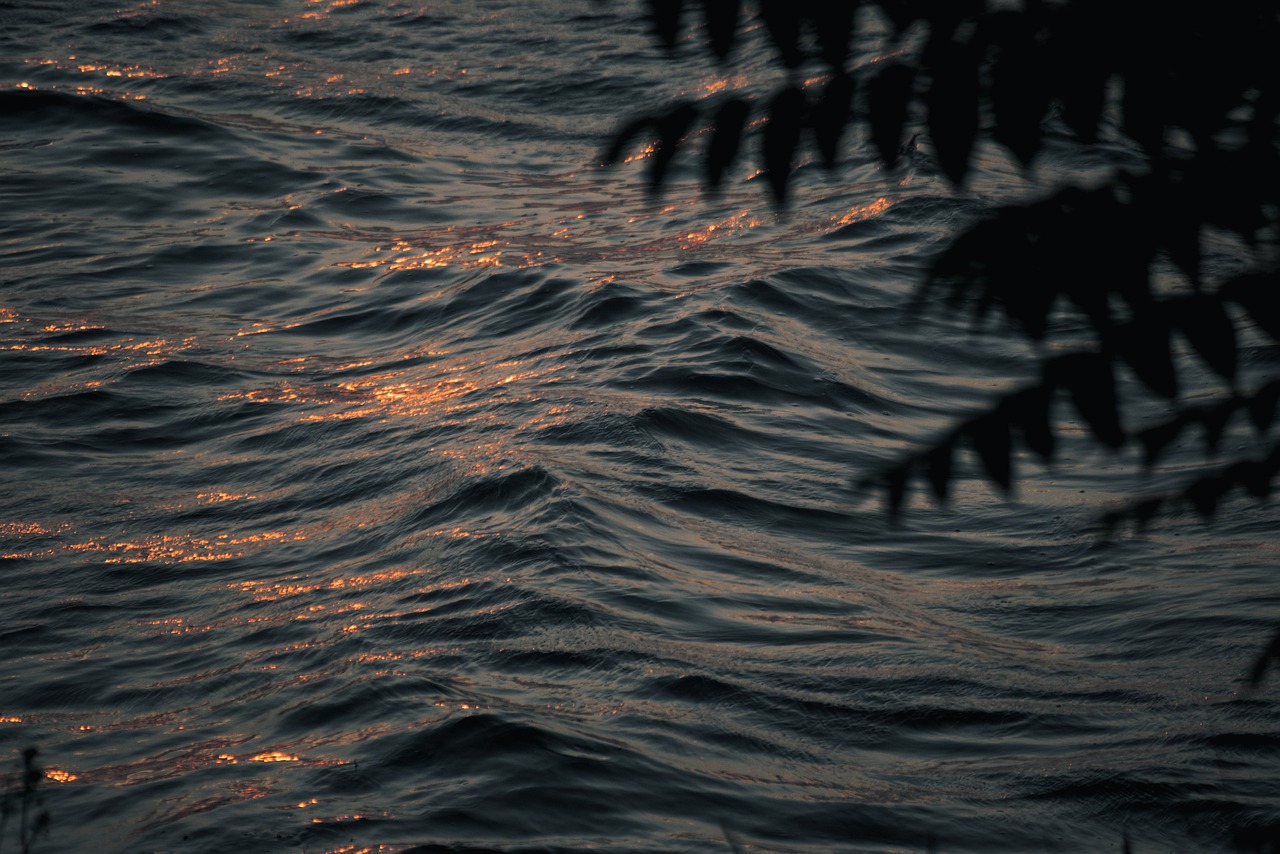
x=170, y=549
x=30, y=529
x=861, y=212
x=466, y=254
x=219, y=497
x=272, y=590
x=398, y=393
x=112, y=71
x=741, y=221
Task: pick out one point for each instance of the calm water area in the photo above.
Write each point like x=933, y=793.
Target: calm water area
x=380, y=471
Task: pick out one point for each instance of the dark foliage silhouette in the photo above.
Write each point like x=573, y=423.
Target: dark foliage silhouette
x=1193, y=93
x=1197, y=94
x=21, y=798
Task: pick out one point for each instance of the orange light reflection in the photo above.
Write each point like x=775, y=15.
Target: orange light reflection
x=403, y=255
x=863, y=212
x=740, y=221
x=395, y=394
x=276, y=589
x=168, y=548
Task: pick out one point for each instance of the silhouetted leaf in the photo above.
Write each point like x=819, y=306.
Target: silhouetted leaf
x=1026, y=297
x=1252, y=173
x=1169, y=212
x=1209, y=330
x=901, y=13
x=1030, y=410
x=1019, y=94
x=1143, y=106
x=938, y=467
x=1262, y=408
x=833, y=22
x=782, y=20
x=896, y=481
x=625, y=137
x=1156, y=439
x=1270, y=653
x=1259, y=295
x=722, y=25
x=1252, y=477
x=1144, y=345
x=726, y=139
x=1206, y=493
x=672, y=128
x=1089, y=380
x=736, y=845
x=781, y=137
x=888, y=95
x=1080, y=78
x=1214, y=421
x=990, y=437
x=1144, y=511
x=952, y=105
x=831, y=115
x=665, y=15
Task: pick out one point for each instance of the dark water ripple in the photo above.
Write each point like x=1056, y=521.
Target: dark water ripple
x=383, y=475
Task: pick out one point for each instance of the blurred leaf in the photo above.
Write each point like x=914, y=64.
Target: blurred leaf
x=1169, y=211
x=625, y=137
x=665, y=15
x=888, y=95
x=1030, y=410
x=726, y=139
x=1079, y=78
x=1089, y=380
x=1144, y=345
x=722, y=25
x=782, y=20
x=896, y=480
x=952, y=105
x=1019, y=92
x=1214, y=421
x=1206, y=493
x=1156, y=439
x=938, y=468
x=1253, y=477
x=1257, y=294
x=1145, y=89
x=831, y=115
x=1269, y=653
x=1206, y=326
x=782, y=137
x=833, y=22
x=901, y=13
x=1144, y=511
x=990, y=437
x=672, y=128
x=1262, y=408
x=1027, y=297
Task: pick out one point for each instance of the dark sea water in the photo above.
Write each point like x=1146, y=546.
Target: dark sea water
x=379, y=472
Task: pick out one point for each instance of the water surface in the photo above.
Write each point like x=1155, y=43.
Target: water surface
x=379, y=471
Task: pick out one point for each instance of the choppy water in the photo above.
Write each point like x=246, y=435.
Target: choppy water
x=379, y=472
